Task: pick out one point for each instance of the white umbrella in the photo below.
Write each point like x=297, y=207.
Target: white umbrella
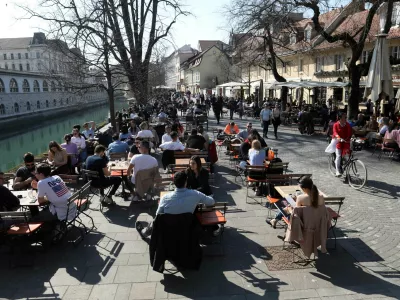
x=380, y=72
x=232, y=84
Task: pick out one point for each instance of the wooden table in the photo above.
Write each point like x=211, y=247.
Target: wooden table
x=285, y=190
x=186, y=161
x=26, y=200
x=117, y=165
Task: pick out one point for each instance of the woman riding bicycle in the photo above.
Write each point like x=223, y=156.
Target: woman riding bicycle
x=342, y=131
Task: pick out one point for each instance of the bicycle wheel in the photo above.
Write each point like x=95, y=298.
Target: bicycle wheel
x=356, y=174
x=331, y=163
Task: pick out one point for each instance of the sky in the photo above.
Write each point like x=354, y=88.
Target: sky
x=207, y=23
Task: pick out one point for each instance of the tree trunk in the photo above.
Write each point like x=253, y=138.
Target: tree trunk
x=355, y=95
x=284, y=96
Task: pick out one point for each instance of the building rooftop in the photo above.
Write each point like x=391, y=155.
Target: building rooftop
x=15, y=43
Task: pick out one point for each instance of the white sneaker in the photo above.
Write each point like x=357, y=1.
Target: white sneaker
x=338, y=174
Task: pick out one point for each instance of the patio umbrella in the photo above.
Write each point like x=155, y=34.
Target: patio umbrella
x=380, y=72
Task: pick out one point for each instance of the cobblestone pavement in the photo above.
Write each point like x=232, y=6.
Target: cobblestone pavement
x=113, y=262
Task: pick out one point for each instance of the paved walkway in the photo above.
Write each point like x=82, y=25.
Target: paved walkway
x=113, y=263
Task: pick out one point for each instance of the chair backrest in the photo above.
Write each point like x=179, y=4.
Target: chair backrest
x=90, y=175
x=221, y=206
x=117, y=156
x=338, y=201
x=8, y=177
x=72, y=179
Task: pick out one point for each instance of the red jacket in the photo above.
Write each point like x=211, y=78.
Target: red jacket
x=345, y=133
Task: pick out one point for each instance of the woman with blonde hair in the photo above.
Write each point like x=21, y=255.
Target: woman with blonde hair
x=58, y=157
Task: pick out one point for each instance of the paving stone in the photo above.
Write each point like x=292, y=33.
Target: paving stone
x=145, y=290
x=81, y=292
x=103, y=292
x=127, y=274
x=123, y=291
x=96, y=275
x=44, y=292
x=68, y=276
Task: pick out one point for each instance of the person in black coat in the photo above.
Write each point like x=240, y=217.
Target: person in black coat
x=198, y=176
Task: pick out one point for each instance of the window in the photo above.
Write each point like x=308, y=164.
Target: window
x=37, y=54
x=16, y=107
x=13, y=66
x=2, y=109
x=19, y=55
x=339, y=62
x=59, y=87
x=38, y=104
x=45, y=86
x=53, y=86
x=36, y=87
x=47, y=103
x=28, y=67
x=308, y=35
x=26, y=55
x=364, y=57
x=5, y=56
x=12, y=55
x=13, y=86
x=395, y=15
x=54, y=102
x=284, y=67
x=300, y=65
x=28, y=106
x=6, y=66
x=2, y=89
x=319, y=64
x=21, y=68
x=25, y=86
x=197, y=77
x=293, y=38
x=395, y=52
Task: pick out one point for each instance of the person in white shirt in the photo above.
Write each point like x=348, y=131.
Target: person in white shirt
x=80, y=142
x=89, y=132
x=174, y=145
x=162, y=116
x=167, y=135
x=144, y=131
x=266, y=116
x=133, y=115
x=52, y=190
x=139, y=162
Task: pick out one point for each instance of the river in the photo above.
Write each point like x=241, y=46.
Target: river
x=36, y=140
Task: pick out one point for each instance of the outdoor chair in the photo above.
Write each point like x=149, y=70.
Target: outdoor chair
x=338, y=202
x=252, y=173
x=211, y=216
x=95, y=189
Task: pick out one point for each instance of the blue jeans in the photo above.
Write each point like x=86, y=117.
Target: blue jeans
x=83, y=155
x=280, y=215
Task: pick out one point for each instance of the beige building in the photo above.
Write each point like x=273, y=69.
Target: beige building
x=207, y=69
x=307, y=56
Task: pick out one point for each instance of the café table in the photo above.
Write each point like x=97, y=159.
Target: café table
x=25, y=200
x=119, y=168
x=186, y=161
x=287, y=190
x=118, y=165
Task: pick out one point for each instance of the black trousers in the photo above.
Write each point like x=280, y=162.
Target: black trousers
x=231, y=112
x=107, y=182
x=265, y=127
x=275, y=129
x=217, y=115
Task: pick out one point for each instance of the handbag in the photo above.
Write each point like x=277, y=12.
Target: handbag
x=332, y=146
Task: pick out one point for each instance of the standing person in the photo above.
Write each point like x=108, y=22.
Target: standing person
x=342, y=132
x=232, y=107
x=240, y=109
x=217, y=107
x=276, y=120
x=265, y=117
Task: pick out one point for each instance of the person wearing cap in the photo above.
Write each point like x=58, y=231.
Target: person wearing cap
x=231, y=128
x=265, y=117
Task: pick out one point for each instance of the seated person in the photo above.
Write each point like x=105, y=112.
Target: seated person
x=174, y=145
x=243, y=135
x=25, y=175
x=144, y=131
x=117, y=146
x=71, y=148
x=197, y=110
x=196, y=141
x=177, y=127
x=244, y=151
x=198, y=176
x=98, y=163
x=257, y=157
x=162, y=116
x=133, y=129
x=53, y=191
x=89, y=132
x=134, y=149
x=8, y=201
x=133, y=115
x=372, y=124
x=80, y=142
x=231, y=128
x=201, y=131
x=180, y=201
x=125, y=134
x=389, y=140
x=167, y=135
x=258, y=137
x=360, y=121
x=58, y=157
x=311, y=197
x=140, y=162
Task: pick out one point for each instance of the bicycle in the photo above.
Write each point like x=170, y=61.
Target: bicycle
x=355, y=170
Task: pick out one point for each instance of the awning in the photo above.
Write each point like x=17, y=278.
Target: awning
x=312, y=84
x=232, y=84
